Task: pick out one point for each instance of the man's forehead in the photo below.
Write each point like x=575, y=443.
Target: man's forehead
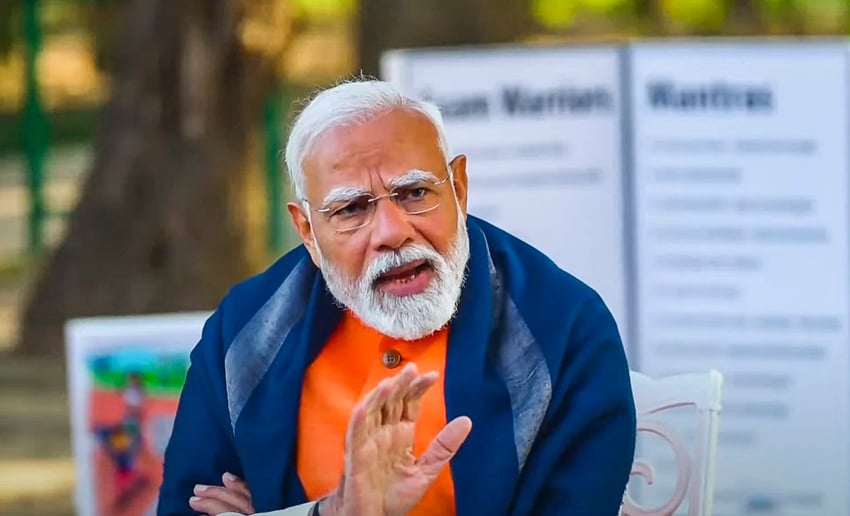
x=373, y=153
x=387, y=138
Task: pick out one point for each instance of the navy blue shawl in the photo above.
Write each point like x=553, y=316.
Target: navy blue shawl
x=534, y=359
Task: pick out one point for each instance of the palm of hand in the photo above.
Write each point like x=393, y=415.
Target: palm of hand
x=391, y=464
x=382, y=476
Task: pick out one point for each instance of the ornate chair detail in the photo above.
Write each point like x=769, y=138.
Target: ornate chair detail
x=695, y=471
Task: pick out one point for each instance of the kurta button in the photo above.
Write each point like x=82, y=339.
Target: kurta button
x=391, y=359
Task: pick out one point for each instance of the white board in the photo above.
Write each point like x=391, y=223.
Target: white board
x=541, y=128
x=741, y=183
x=125, y=375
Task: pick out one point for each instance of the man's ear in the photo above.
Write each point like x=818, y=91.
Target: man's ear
x=301, y=222
x=460, y=180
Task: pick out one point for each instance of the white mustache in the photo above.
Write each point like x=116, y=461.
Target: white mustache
x=405, y=317
x=395, y=259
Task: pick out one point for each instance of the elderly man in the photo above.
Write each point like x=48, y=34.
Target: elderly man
x=408, y=358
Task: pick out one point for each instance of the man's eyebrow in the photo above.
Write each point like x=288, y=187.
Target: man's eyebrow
x=412, y=177
x=348, y=193
x=344, y=194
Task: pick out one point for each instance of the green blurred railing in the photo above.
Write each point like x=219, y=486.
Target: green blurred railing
x=273, y=130
x=35, y=134
x=35, y=128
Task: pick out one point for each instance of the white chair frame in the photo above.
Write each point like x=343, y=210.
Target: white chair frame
x=695, y=473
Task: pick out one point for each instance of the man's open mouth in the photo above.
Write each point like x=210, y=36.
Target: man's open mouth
x=405, y=273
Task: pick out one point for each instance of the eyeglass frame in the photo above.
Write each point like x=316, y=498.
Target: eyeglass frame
x=373, y=199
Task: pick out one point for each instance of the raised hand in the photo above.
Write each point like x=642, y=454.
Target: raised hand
x=382, y=476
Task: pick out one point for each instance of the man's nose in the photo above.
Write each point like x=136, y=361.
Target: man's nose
x=391, y=227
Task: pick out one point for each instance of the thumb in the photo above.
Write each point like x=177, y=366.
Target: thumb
x=445, y=446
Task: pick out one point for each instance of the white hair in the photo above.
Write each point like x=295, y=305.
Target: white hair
x=350, y=102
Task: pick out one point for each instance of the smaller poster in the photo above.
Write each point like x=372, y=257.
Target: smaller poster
x=125, y=375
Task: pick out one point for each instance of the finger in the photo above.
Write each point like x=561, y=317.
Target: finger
x=421, y=385
x=445, y=446
x=394, y=407
x=235, y=483
x=210, y=506
x=357, y=431
x=375, y=401
x=366, y=416
x=389, y=389
x=413, y=399
x=226, y=496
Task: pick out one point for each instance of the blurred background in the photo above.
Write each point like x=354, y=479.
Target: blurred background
x=139, y=154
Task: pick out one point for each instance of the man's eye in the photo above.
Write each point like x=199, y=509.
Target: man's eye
x=412, y=194
x=351, y=209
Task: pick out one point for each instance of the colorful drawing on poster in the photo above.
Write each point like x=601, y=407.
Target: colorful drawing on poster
x=132, y=401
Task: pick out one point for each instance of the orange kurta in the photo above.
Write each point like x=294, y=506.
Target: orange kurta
x=354, y=360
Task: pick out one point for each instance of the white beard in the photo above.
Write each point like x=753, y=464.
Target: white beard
x=404, y=317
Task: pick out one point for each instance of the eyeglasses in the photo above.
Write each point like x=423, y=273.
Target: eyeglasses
x=415, y=199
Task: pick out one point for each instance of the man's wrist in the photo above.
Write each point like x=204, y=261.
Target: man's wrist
x=328, y=506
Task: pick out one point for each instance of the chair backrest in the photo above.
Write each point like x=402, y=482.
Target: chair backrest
x=695, y=471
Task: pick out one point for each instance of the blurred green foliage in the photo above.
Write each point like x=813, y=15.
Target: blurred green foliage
x=323, y=9
x=97, y=20
x=699, y=17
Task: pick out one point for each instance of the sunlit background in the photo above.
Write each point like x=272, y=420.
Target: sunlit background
x=139, y=154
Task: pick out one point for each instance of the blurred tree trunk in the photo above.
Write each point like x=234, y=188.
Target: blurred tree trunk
x=388, y=24
x=649, y=16
x=161, y=223
x=744, y=17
